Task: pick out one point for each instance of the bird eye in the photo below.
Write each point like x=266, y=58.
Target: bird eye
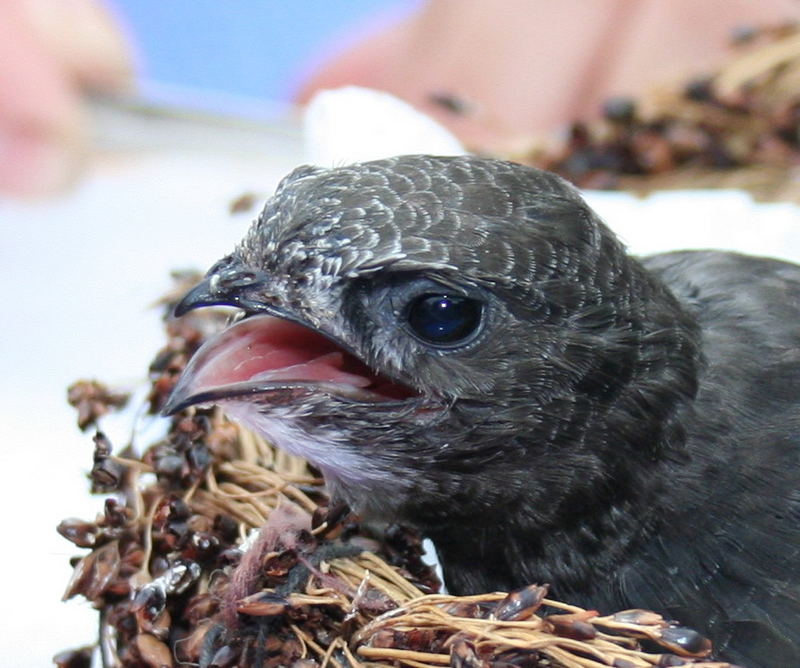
x=441, y=319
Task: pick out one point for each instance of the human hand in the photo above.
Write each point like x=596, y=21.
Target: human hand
x=525, y=67
x=52, y=52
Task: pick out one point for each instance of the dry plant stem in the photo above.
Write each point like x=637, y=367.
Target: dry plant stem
x=134, y=464
x=404, y=655
x=349, y=654
x=388, y=581
x=748, y=67
x=307, y=641
x=328, y=656
x=496, y=636
x=144, y=575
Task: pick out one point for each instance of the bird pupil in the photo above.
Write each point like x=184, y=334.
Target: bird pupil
x=444, y=319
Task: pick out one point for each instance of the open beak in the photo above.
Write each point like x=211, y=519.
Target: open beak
x=270, y=354
x=281, y=360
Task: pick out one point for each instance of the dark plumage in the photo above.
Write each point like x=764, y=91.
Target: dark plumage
x=496, y=370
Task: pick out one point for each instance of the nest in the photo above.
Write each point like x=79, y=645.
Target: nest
x=737, y=128
x=214, y=549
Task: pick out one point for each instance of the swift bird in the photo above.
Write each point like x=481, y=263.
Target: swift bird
x=462, y=345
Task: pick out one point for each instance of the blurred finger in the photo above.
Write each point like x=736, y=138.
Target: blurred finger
x=83, y=36
x=40, y=119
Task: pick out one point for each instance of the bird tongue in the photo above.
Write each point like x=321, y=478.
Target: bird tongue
x=264, y=349
x=325, y=368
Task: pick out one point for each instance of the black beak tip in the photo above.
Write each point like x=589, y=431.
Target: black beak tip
x=199, y=295
x=180, y=397
x=175, y=403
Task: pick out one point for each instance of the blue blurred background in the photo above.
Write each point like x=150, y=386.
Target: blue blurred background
x=258, y=49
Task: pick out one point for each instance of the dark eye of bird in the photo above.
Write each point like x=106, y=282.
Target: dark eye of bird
x=444, y=319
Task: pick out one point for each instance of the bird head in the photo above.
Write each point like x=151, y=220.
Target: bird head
x=441, y=336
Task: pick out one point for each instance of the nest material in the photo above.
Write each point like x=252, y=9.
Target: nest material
x=215, y=549
x=738, y=128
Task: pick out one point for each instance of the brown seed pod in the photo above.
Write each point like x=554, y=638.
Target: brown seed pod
x=464, y=655
x=92, y=400
x=74, y=658
x=79, y=532
x=94, y=572
x=262, y=604
x=685, y=642
x=643, y=617
x=567, y=626
x=521, y=604
x=153, y=652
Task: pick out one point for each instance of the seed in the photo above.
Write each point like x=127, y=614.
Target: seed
x=74, y=658
x=93, y=400
x=576, y=629
x=94, y=572
x=463, y=655
x=520, y=604
x=262, y=604
x=152, y=651
x=78, y=532
x=685, y=642
x=642, y=617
